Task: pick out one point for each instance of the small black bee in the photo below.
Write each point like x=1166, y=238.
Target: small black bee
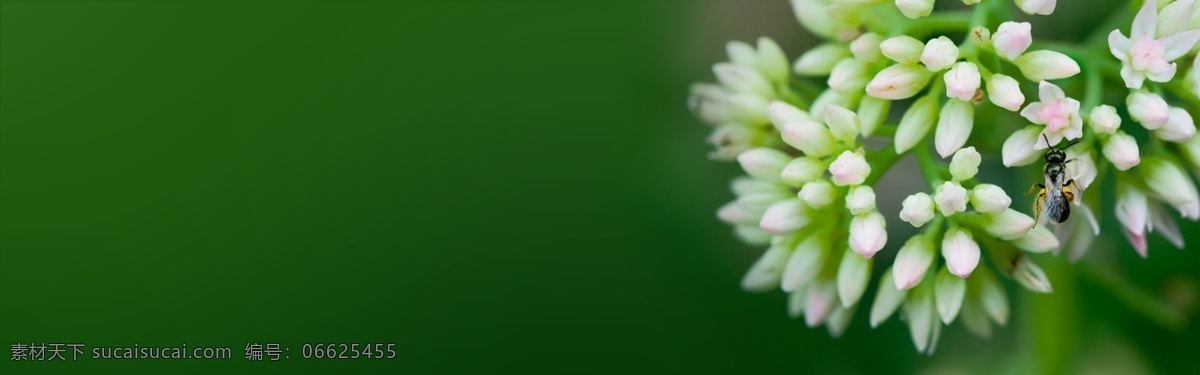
x=1061, y=192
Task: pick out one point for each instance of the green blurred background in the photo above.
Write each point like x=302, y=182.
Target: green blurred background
x=492, y=186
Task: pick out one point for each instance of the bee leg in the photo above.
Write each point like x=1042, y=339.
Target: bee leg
x=1035, y=187
x=1037, y=207
x=1070, y=188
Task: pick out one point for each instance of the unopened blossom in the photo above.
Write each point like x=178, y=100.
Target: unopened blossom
x=1191, y=151
x=1176, y=17
x=1044, y=65
x=810, y=137
x=1122, y=150
x=939, y=54
x=917, y=209
x=854, y=272
x=916, y=123
x=1148, y=109
x=820, y=302
x=860, y=200
x=850, y=168
x=921, y=315
x=802, y=170
x=989, y=199
x=785, y=217
x=980, y=36
x=1133, y=212
x=1042, y=7
x=1082, y=167
x=805, y=263
x=912, y=261
x=1170, y=183
x=849, y=75
x=868, y=234
x=887, y=299
x=1104, y=119
x=954, y=125
x=866, y=47
x=766, y=273
x=1147, y=54
x=991, y=295
x=820, y=60
x=731, y=140
x=871, y=113
x=962, y=81
x=1038, y=240
x=1012, y=39
x=764, y=163
x=1179, y=126
x=900, y=81
x=842, y=122
x=1059, y=113
x=965, y=164
x=780, y=113
x=1005, y=92
x=814, y=15
x=949, y=292
x=743, y=79
x=1029, y=275
x=1021, y=147
x=951, y=198
x=817, y=194
x=915, y=8
x=961, y=252
x=772, y=62
x=1008, y=225
x=903, y=49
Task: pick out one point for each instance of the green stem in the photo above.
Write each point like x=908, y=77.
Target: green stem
x=937, y=23
x=880, y=162
x=929, y=168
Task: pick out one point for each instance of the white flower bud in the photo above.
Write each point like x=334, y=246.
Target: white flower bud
x=781, y=113
x=1005, y=92
x=810, y=137
x=961, y=252
x=736, y=213
x=832, y=97
x=745, y=185
x=850, y=168
x=710, y=103
x=954, y=126
x=802, y=170
x=1083, y=168
x=1029, y=275
x=796, y=300
x=974, y=318
x=871, y=113
x=1179, y=126
x=900, y=81
x=742, y=79
x=1148, y=109
x=752, y=235
x=915, y=8
x=1122, y=150
x=868, y=234
x=887, y=299
x=1020, y=148
x=949, y=291
x=981, y=37
x=1012, y=39
x=839, y=320
x=818, y=194
x=772, y=61
x=820, y=61
x=1191, y=151
x=1045, y=65
x=965, y=164
x=763, y=163
x=849, y=75
x=939, y=54
x=814, y=16
x=1008, y=225
x=1176, y=17
x=866, y=47
x=921, y=317
x=1038, y=240
x=917, y=209
x=843, y=123
x=1043, y=7
x=962, y=80
x=1132, y=209
x=912, y=261
x=916, y=123
x=1171, y=184
x=1104, y=119
x=989, y=199
x=748, y=108
x=903, y=49
x=806, y=262
x=741, y=53
x=951, y=198
x=786, y=217
x=820, y=302
x=860, y=200
x=991, y=295
x=767, y=272
x=853, y=274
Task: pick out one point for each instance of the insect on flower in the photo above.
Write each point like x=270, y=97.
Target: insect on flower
x=1059, y=191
